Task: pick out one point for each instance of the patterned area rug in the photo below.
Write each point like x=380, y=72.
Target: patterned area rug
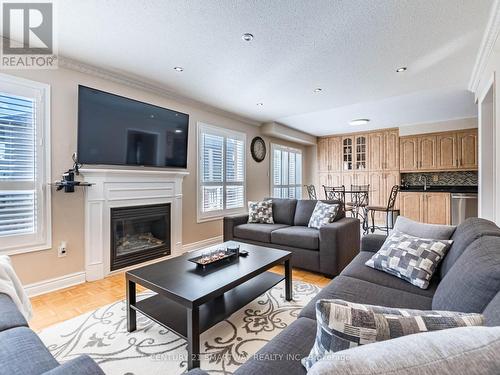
x=152, y=350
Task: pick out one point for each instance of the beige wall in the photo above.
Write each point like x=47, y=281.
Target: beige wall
x=68, y=209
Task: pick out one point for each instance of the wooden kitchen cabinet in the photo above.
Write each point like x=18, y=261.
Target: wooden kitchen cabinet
x=437, y=208
x=391, y=151
x=383, y=150
x=447, y=151
x=467, y=149
x=335, y=154
x=427, y=152
x=425, y=207
x=408, y=159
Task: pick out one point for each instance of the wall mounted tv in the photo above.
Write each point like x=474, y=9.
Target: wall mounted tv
x=120, y=131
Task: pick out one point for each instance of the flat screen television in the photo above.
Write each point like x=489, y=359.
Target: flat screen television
x=116, y=130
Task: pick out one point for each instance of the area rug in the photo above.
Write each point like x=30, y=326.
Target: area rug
x=152, y=349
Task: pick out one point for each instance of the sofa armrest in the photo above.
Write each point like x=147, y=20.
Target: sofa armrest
x=82, y=365
x=338, y=245
x=230, y=222
x=372, y=242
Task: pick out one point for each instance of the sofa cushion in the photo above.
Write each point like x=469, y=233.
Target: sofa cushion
x=283, y=210
x=410, y=258
x=283, y=353
x=305, y=208
x=302, y=237
x=358, y=270
x=10, y=316
x=414, y=228
x=323, y=214
x=260, y=212
x=459, y=351
x=474, y=279
x=256, y=232
x=492, y=312
x=466, y=233
x=22, y=352
x=360, y=291
x=343, y=325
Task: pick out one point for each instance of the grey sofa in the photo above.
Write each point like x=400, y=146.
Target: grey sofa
x=327, y=250
x=23, y=353
x=468, y=280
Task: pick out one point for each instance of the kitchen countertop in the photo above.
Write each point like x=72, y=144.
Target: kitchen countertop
x=441, y=188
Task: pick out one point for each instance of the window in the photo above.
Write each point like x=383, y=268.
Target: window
x=25, y=223
x=221, y=172
x=286, y=172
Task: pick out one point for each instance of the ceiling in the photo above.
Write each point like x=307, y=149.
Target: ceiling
x=350, y=49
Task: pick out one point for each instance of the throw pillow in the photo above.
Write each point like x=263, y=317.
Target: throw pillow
x=458, y=351
x=410, y=258
x=323, y=214
x=260, y=212
x=414, y=228
x=342, y=325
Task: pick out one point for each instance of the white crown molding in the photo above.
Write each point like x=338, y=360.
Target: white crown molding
x=138, y=83
x=489, y=38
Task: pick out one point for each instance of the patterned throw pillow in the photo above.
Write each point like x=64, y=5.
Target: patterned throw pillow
x=260, y=212
x=323, y=214
x=342, y=325
x=410, y=258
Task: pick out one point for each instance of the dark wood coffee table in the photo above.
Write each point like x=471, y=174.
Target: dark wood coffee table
x=191, y=299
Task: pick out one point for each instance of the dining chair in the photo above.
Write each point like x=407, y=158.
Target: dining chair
x=389, y=209
x=311, y=192
x=335, y=193
x=359, y=199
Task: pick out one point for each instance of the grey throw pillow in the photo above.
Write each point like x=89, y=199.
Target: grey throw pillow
x=343, y=325
x=323, y=214
x=417, y=229
x=260, y=212
x=456, y=351
x=410, y=258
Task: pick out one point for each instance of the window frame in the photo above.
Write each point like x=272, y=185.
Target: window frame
x=275, y=146
x=226, y=133
x=42, y=239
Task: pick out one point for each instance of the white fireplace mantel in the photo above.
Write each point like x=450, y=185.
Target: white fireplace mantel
x=125, y=188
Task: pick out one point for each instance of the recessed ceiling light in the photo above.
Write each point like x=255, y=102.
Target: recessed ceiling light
x=359, y=121
x=178, y=131
x=401, y=69
x=260, y=104
x=247, y=37
x=178, y=68
x=319, y=89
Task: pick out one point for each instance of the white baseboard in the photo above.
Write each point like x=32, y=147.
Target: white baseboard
x=54, y=284
x=202, y=244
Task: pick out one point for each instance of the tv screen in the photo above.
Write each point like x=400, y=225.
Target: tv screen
x=121, y=131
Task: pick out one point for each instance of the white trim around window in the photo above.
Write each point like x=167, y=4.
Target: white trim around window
x=25, y=194
x=221, y=172
x=286, y=172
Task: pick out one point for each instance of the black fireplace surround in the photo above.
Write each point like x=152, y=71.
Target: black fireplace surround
x=139, y=234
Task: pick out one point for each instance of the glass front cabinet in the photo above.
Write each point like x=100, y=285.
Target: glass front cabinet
x=354, y=153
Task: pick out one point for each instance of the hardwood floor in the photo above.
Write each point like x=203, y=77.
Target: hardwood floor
x=64, y=304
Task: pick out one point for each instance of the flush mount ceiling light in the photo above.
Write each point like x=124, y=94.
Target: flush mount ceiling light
x=319, y=89
x=359, y=121
x=178, y=131
x=401, y=69
x=178, y=68
x=260, y=104
x=247, y=37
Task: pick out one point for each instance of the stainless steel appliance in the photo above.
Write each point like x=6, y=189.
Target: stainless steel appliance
x=463, y=205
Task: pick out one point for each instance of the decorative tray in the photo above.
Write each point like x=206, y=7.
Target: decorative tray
x=213, y=257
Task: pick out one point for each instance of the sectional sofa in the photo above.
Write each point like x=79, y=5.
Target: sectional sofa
x=22, y=351
x=468, y=280
x=327, y=250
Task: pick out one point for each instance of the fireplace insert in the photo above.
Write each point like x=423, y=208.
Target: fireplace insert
x=138, y=234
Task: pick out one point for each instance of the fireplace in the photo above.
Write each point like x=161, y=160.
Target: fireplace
x=138, y=234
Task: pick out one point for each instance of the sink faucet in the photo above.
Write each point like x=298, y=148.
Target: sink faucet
x=423, y=177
